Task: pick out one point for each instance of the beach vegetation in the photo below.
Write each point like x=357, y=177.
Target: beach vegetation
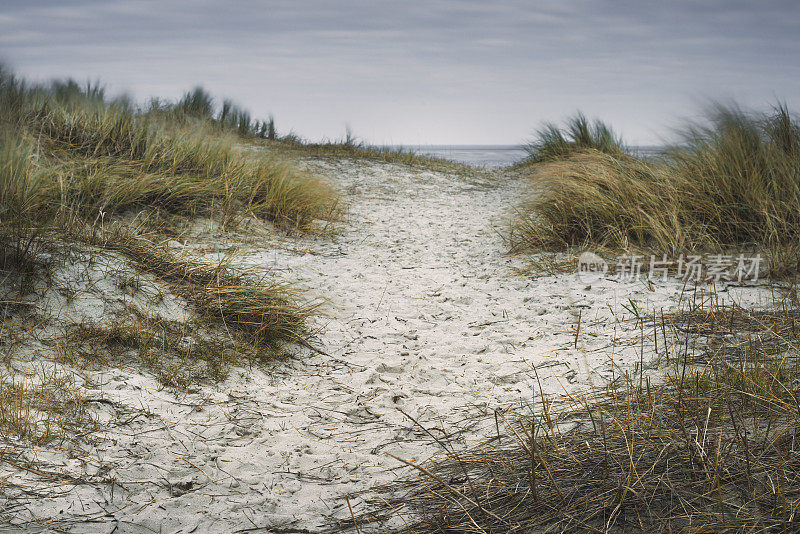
x=85, y=173
x=553, y=142
x=732, y=182
x=707, y=448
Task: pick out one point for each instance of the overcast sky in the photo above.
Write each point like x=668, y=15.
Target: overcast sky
x=433, y=71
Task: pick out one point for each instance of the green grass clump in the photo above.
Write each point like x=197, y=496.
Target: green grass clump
x=553, y=142
x=733, y=182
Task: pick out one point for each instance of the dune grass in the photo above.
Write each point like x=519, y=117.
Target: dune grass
x=185, y=319
x=713, y=448
x=90, y=156
x=198, y=104
x=710, y=444
x=733, y=183
x=77, y=167
x=594, y=198
x=264, y=313
x=24, y=197
x=239, y=317
x=553, y=142
x=67, y=151
x=40, y=407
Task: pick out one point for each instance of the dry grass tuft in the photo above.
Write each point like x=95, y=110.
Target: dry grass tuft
x=267, y=314
x=40, y=406
x=179, y=355
x=607, y=201
x=714, y=448
x=222, y=316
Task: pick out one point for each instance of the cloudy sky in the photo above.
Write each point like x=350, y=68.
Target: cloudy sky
x=433, y=71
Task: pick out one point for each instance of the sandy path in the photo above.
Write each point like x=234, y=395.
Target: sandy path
x=425, y=316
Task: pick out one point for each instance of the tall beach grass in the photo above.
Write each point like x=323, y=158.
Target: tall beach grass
x=733, y=182
x=76, y=167
x=554, y=142
x=90, y=155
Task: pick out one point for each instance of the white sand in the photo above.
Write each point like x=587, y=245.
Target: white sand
x=425, y=315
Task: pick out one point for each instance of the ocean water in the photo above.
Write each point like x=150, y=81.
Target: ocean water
x=647, y=152
x=495, y=156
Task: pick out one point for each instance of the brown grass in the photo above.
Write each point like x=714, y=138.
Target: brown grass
x=41, y=405
x=712, y=448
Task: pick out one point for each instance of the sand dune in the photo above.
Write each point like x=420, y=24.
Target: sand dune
x=425, y=317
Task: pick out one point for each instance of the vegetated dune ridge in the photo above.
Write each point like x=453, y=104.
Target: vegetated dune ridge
x=425, y=318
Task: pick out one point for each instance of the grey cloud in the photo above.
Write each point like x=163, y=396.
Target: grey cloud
x=437, y=71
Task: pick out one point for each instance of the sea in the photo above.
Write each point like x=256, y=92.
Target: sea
x=496, y=156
